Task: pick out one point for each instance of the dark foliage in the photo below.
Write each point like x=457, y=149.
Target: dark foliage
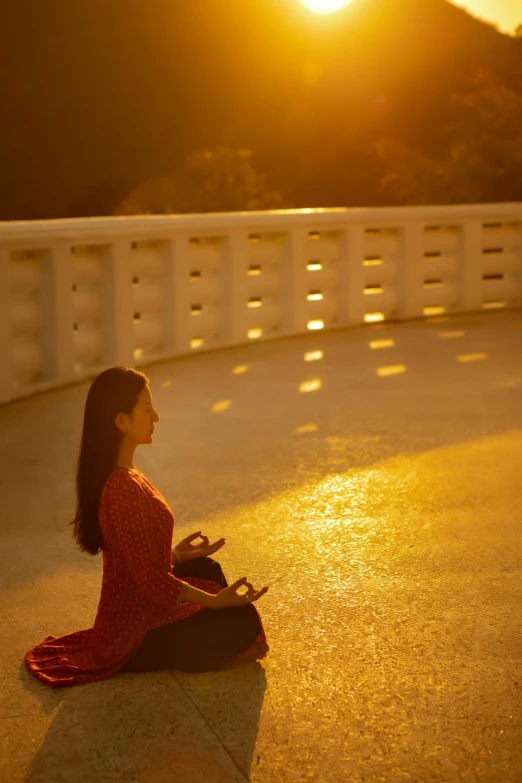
x=100, y=97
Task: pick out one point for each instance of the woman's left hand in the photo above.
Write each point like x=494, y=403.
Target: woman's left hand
x=186, y=551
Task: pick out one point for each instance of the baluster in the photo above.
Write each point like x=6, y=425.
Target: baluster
x=351, y=273
x=7, y=378
x=61, y=312
x=234, y=282
x=177, y=300
x=117, y=304
x=470, y=266
x=412, y=269
x=295, y=252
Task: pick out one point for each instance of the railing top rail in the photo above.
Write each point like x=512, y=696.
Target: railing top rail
x=98, y=228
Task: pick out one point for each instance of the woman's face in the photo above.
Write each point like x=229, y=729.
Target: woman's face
x=141, y=422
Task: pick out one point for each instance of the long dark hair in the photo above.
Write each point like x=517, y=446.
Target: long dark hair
x=113, y=391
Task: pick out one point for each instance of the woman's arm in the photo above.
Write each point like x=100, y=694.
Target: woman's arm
x=195, y=596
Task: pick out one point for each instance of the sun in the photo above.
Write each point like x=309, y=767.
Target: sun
x=325, y=6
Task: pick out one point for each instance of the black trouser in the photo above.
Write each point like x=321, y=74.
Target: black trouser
x=202, y=642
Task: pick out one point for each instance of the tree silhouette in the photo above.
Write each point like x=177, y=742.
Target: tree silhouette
x=212, y=180
x=483, y=161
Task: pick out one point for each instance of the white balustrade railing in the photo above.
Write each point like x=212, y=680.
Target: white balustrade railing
x=78, y=296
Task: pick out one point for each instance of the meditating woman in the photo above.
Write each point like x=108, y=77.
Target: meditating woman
x=160, y=608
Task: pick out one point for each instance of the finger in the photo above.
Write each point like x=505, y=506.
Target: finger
x=249, y=593
x=193, y=536
x=259, y=594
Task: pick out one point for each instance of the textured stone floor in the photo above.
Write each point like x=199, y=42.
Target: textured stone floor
x=384, y=511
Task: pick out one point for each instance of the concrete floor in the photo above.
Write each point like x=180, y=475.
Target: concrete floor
x=384, y=513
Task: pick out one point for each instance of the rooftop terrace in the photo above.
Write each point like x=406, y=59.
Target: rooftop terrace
x=371, y=476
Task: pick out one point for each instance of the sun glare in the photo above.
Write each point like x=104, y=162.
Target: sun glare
x=325, y=6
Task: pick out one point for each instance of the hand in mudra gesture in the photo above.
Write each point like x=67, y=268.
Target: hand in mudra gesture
x=186, y=551
x=230, y=597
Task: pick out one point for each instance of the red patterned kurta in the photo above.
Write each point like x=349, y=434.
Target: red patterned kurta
x=138, y=587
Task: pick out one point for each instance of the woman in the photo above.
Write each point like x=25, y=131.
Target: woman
x=148, y=618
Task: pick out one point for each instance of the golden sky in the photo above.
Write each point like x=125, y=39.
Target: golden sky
x=507, y=14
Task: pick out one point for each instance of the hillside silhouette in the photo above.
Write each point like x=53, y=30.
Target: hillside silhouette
x=385, y=102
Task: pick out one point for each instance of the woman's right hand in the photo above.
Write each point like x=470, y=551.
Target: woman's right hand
x=229, y=597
